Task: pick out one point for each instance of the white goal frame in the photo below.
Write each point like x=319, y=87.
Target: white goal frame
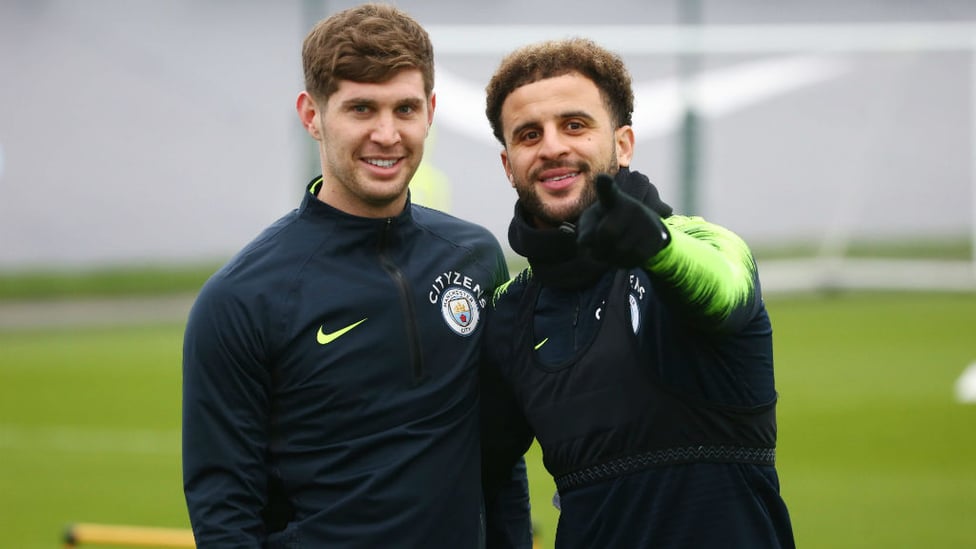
x=829, y=269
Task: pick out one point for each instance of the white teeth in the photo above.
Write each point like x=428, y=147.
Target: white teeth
x=560, y=178
x=381, y=163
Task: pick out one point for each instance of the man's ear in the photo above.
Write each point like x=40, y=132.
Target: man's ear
x=507, y=167
x=430, y=110
x=308, y=113
x=624, y=141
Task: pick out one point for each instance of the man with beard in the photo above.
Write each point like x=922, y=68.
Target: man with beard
x=636, y=347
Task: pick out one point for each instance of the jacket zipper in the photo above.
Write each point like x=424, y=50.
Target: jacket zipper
x=400, y=281
x=576, y=319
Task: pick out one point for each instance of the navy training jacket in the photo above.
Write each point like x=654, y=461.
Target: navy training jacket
x=330, y=385
x=651, y=393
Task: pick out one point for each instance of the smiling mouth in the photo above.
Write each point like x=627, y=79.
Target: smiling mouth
x=560, y=177
x=557, y=175
x=382, y=163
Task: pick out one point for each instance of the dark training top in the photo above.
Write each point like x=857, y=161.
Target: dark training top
x=330, y=384
x=650, y=391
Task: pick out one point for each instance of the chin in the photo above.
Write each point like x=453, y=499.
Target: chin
x=561, y=215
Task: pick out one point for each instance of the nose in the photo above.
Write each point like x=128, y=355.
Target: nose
x=552, y=144
x=386, y=131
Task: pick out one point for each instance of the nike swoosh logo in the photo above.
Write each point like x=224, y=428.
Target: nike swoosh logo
x=326, y=338
x=541, y=343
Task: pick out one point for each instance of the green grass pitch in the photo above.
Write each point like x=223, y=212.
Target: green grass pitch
x=874, y=451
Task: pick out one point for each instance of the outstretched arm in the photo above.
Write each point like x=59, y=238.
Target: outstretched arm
x=706, y=270
x=710, y=270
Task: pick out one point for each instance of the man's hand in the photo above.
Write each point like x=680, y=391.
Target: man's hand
x=620, y=230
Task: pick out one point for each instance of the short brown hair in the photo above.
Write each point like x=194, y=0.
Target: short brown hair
x=368, y=43
x=553, y=58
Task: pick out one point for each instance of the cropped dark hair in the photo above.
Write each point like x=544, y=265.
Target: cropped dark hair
x=553, y=58
x=368, y=43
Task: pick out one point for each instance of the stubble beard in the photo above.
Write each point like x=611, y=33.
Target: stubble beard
x=366, y=191
x=553, y=216
x=545, y=215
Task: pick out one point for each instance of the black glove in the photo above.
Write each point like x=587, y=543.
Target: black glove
x=620, y=230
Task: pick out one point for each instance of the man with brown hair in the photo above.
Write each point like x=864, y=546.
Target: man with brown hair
x=636, y=346
x=330, y=392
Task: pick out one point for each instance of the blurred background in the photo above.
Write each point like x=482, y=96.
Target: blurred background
x=165, y=132
x=142, y=143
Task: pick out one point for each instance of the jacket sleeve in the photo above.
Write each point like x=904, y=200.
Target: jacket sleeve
x=225, y=423
x=505, y=437
x=508, y=520
x=710, y=272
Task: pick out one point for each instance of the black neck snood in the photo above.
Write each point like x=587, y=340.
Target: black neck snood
x=552, y=252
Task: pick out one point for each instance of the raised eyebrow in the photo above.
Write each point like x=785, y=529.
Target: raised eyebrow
x=577, y=114
x=568, y=115
x=524, y=126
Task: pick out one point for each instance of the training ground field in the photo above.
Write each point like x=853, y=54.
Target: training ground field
x=875, y=451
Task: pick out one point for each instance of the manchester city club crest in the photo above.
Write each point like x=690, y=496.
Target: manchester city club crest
x=460, y=310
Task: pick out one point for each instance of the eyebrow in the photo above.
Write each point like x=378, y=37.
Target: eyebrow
x=414, y=102
x=562, y=116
